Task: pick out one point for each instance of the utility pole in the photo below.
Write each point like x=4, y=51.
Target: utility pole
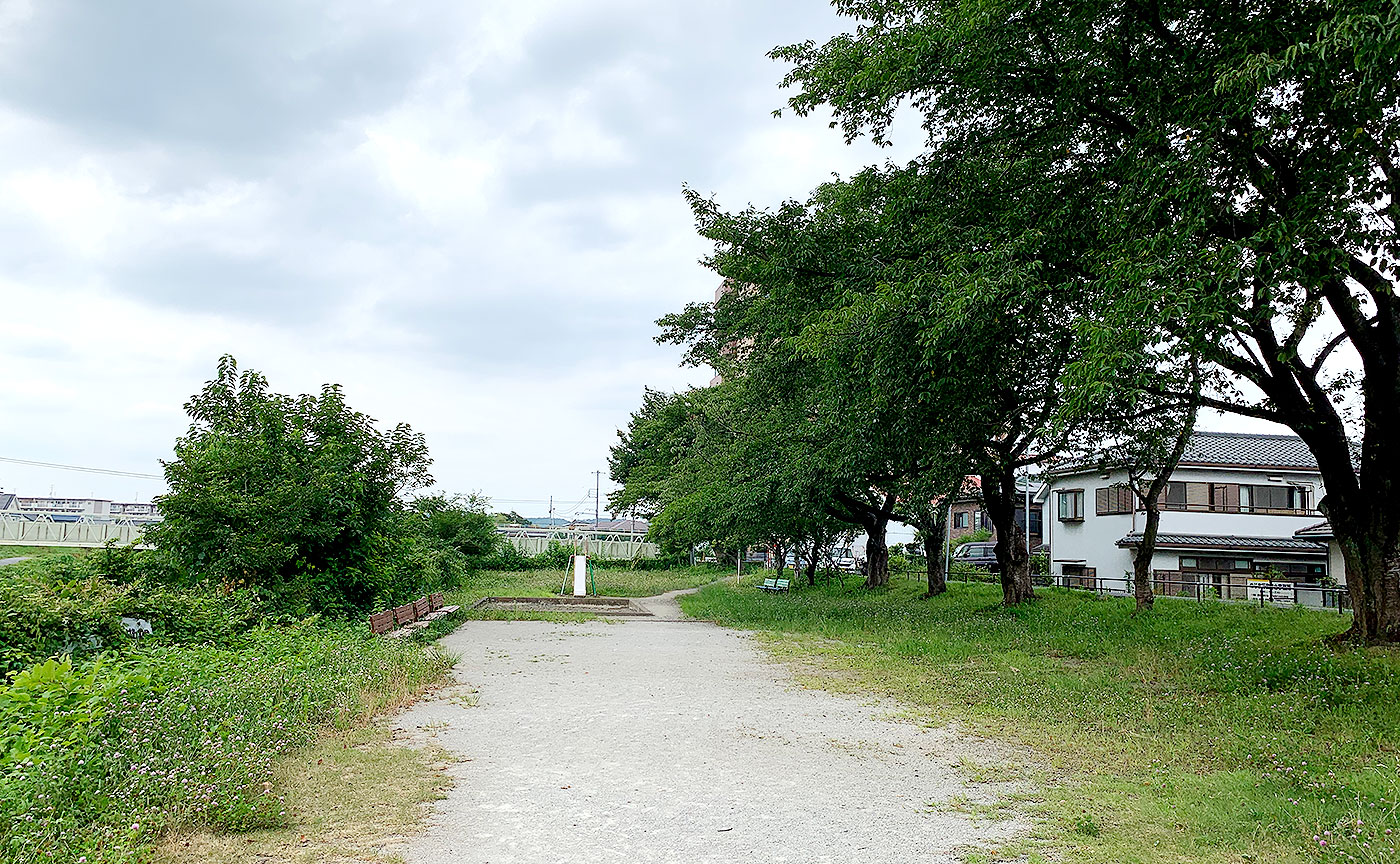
x=551, y=511
x=1028, y=518
x=597, y=488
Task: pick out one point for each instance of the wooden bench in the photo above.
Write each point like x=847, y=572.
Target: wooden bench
x=410, y=616
x=381, y=622
x=437, y=602
x=774, y=584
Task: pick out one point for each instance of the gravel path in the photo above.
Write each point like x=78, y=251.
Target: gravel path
x=652, y=741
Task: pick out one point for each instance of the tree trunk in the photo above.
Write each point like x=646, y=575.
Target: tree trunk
x=999, y=496
x=1367, y=536
x=812, y=562
x=934, y=532
x=877, y=554
x=1142, y=556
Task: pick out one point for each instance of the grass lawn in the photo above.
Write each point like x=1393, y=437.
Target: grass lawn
x=8, y=551
x=1202, y=732
x=543, y=583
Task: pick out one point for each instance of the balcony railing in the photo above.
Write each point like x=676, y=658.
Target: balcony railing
x=1236, y=508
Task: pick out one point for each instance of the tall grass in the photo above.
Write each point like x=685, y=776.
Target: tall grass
x=1197, y=732
x=97, y=760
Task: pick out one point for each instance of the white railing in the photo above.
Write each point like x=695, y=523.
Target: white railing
x=599, y=544
x=23, y=529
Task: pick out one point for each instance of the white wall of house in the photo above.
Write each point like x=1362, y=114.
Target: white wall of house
x=1093, y=542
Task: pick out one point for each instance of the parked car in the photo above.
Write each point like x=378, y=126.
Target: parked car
x=846, y=561
x=982, y=555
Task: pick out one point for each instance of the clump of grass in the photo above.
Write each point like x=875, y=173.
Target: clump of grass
x=98, y=761
x=1200, y=731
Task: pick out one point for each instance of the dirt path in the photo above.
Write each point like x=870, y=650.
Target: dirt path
x=649, y=741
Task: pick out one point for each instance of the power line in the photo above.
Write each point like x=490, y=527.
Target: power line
x=107, y=471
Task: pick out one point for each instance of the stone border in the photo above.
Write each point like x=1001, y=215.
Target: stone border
x=625, y=607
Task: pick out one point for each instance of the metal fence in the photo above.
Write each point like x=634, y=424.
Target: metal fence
x=19, y=531
x=612, y=545
x=1230, y=588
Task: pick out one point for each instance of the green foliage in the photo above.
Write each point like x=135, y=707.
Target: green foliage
x=555, y=556
x=459, y=522
x=291, y=495
x=509, y=557
x=981, y=535
x=615, y=582
x=69, y=604
x=97, y=760
x=1193, y=182
x=1198, y=732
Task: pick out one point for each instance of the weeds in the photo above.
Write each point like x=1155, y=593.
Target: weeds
x=181, y=737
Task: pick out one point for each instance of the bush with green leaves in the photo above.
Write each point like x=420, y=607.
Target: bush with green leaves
x=292, y=495
x=69, y=604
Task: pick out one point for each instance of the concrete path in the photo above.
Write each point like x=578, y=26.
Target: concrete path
x=651, y=741
x=5, y=561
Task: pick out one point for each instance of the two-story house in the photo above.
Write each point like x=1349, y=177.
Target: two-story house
x=1230, y=516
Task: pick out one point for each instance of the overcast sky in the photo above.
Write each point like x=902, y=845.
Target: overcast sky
x=468, y=214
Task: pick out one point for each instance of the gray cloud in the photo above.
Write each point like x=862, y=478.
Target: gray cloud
x=235, y=77
x=460, y=211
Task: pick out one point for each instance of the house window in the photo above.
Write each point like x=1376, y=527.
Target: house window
x=1186, y=496
x=1290, y=568
x=1113, y=500
x=960, y=519
x=1217, y=565
x=1072, y=505
x=1267, y=499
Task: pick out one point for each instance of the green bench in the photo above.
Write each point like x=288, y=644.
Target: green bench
x=775, y=584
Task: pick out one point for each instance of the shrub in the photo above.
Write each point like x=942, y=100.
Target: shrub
x=293, y=495
x=63, y=604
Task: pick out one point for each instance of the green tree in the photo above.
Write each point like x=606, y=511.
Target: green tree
x=459, y=522
x=714, y=466
x=909, y=323
x=297, y=496
x=1243, y=158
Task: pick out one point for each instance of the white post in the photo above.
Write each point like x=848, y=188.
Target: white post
x=580, y=575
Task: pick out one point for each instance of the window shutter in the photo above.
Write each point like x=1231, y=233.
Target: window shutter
x=1198, y=495
x=1101, y=502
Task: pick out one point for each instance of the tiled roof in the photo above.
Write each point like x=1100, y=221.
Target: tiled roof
x=1244, y=449
x=1229, y=541
x=1320, y=531
x=1240, y=448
